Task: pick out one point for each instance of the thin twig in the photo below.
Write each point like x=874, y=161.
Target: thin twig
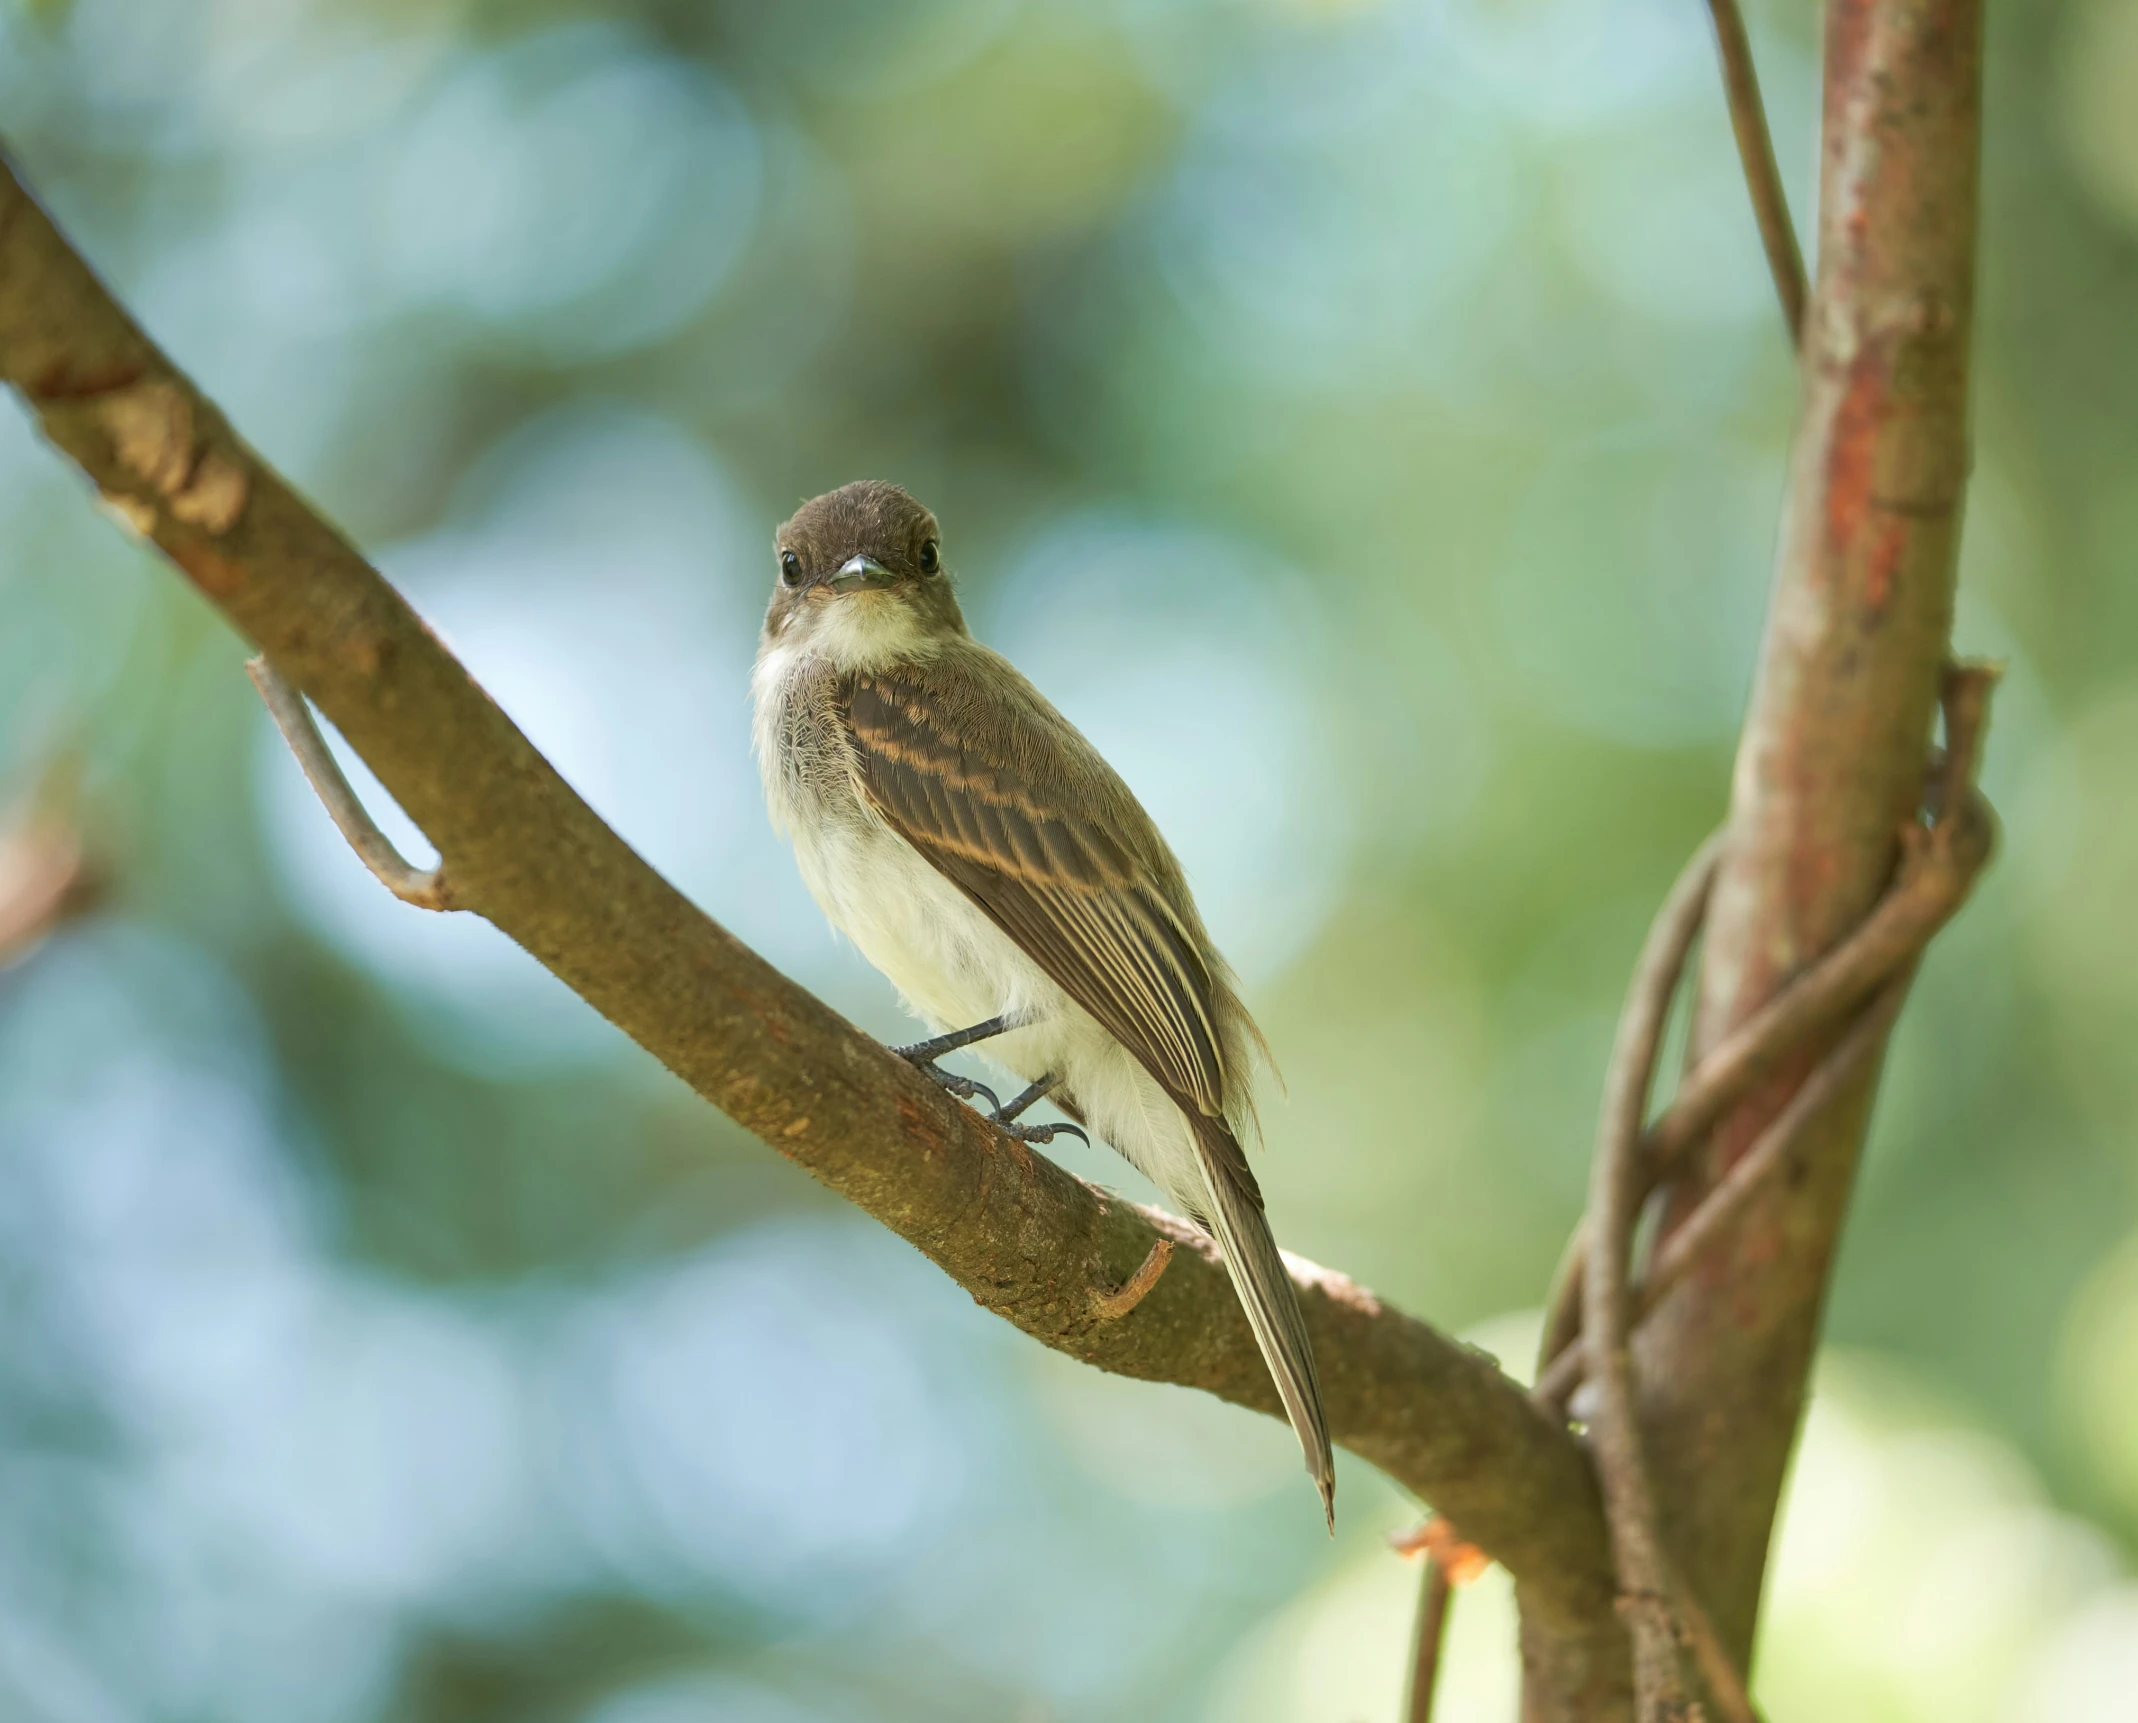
x=1451, y=1562
x=1763, y=179
x=1717, y=1673
x=1733, y=1192
x=1555, y=1387
x=1112, y=1306
x=1964, y=694
x=1435, y=1595
x=1935, y=880
x=1711, y=1221
x=1561, y=1333
x=1614, y=1205
x=424, y=887
x=1936, y=874
x=1937, y=867
x=1563, y=1305
x=1562, y=1322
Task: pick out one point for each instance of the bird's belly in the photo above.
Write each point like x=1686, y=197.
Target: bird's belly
x=952, y=966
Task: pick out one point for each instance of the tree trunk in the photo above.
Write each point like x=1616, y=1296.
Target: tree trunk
x=1829, y=769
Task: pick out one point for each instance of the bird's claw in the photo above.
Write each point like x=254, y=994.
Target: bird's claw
x=1041, y=1133
x=1006, y=1117
x=965, y=1088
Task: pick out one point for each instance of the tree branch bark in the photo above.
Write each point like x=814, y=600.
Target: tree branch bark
x=1829, y=769
x=1829, y=773
x=520, y=848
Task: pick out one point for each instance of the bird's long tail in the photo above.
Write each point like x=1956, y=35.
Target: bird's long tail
x=1268, y=1296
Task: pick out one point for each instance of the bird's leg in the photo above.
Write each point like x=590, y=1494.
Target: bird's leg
x=1018, y=1104
x=1006, y=1117
x=925, y=1053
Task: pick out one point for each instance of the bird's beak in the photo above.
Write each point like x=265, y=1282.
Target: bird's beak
x=858, y=572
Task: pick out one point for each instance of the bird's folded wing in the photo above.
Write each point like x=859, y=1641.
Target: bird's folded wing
x=1025, y=818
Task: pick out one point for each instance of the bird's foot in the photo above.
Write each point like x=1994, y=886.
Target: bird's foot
x=1040, y=1133
x=923, y=1055
x=1006, y=1116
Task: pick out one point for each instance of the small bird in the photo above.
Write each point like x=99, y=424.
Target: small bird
x=980, y=853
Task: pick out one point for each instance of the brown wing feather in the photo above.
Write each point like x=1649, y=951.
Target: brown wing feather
x=993, y=786
x=988, y=790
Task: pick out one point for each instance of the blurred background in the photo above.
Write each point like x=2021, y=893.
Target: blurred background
x=1366, y=418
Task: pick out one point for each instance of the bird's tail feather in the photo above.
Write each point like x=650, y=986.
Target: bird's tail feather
x=1272, y=1304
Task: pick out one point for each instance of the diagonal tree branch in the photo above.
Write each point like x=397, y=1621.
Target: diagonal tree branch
x=1026, y=1239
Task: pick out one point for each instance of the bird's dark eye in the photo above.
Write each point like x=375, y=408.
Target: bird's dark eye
x=931, y=556
x=790, y=568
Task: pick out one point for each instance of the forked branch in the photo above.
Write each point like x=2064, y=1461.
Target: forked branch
x=424, y=888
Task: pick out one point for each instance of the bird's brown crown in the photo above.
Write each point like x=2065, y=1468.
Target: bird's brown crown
x=866, y=518
x=861, y=576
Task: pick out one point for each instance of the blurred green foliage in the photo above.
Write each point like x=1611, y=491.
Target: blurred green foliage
x=1365, y=417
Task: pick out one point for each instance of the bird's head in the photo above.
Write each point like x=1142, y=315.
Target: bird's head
x=861, y=576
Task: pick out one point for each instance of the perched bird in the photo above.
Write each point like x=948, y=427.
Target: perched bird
x=976, y=848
